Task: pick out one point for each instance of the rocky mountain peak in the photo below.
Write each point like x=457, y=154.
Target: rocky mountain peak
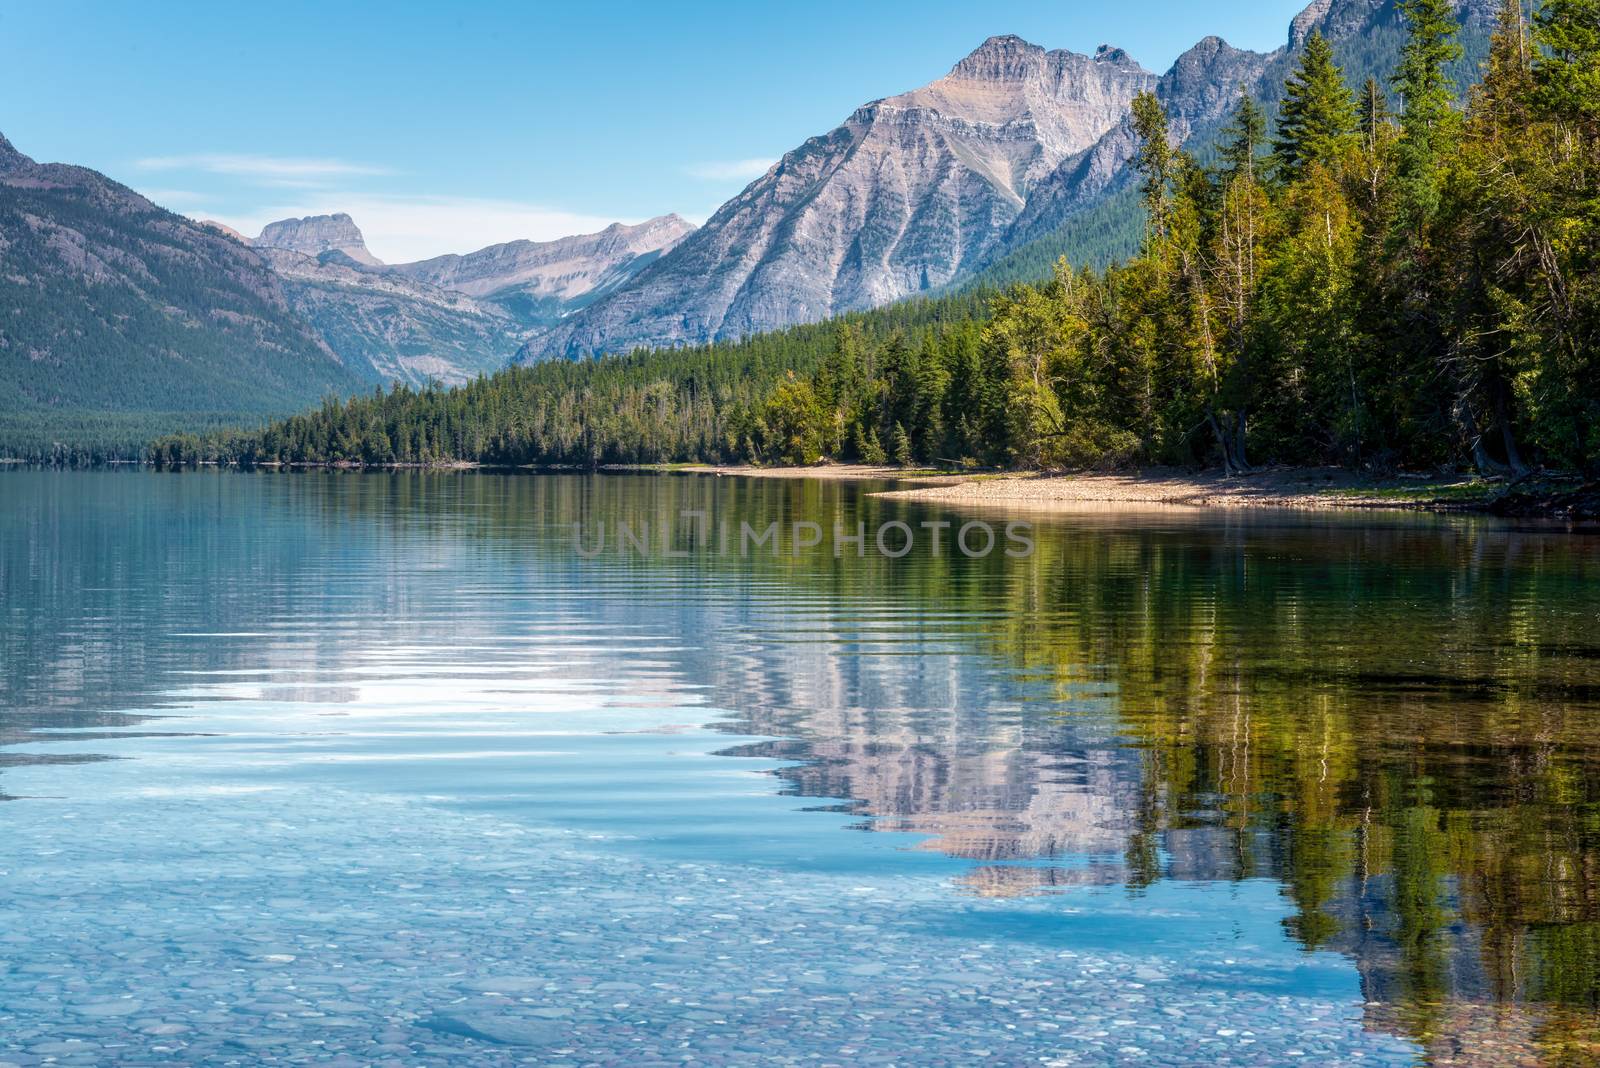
x=1000, y=57
x=908, y=193
x=316, y=234
x=656, y=234
x=1019, y=108
x=1307, y=21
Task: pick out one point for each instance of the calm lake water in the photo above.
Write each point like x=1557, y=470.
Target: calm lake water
x=377, y=769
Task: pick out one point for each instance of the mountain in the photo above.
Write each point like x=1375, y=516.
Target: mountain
x=539, y=282
x=1016, y=153
x=452, y=317
x=391, y=328
x=110, y=304
x=316, y=234
x=898, y=200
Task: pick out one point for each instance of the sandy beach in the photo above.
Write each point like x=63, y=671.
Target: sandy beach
x=1277, y=488
x=1319, y=488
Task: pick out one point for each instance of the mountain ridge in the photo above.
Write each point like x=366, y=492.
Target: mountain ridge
x=449, y=318
x=890, y=203
x=539, y=282
x=390, y=328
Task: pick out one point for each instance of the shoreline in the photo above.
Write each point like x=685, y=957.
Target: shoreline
x=1555, y=497
x=821, y=472
x=1319, y=489
x=1298, y=488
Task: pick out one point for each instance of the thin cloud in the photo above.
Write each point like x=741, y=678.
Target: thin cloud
x=274, y=170
x=177, y=199
x=400, y=229
x=729, y=170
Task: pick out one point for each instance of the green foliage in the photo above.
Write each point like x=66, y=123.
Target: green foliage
x=1156, y=159
x=1317, y=122
x=1569, y=66
x=1243, y=138
x=1429, y=121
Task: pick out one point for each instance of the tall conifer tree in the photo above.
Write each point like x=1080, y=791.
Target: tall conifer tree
x=1318, y=120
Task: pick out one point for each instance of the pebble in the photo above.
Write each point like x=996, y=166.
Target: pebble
x=413, y=954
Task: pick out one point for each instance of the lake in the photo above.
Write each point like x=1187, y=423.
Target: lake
x=403, y=768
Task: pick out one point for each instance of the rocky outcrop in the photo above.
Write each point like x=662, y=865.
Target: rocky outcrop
x=391, y=328
x=1312, y=18
x=111, y=304
x=911, y=191
x=10, y=158
x=316, y=234
x=539, y=282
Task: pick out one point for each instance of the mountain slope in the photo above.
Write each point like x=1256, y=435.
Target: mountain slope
x=109, y=303
x=391, y=328
x=539, y=282
x=1201, y=88
x=902, y=198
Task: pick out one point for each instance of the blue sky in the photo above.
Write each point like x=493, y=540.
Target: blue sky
x=447, y=126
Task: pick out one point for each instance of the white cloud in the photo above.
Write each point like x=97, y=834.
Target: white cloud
x=399, y=229
x=729, y=170
x=269, y=170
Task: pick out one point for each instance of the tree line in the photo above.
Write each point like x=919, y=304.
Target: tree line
x=1382, y=277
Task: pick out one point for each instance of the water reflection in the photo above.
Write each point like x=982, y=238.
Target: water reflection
x=1394, y=719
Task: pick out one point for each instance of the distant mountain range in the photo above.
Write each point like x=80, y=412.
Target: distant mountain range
x=451, y=317
x=541, y=282
x=108, y=303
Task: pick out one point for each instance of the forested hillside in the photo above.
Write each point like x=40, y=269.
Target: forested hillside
x=1415, y=290
x=708, y=402
x=119, y=320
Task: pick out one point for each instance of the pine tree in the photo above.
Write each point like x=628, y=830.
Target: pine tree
x=1243, y=138
x=1318, y=119
x=1374, y=109
x=1156, y=159
x=1502, y=98
x=1567, y=94
x=1568, y=75
x=873, y=452
x=902, y=447
x=1423, y=78
x=1429, y=123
